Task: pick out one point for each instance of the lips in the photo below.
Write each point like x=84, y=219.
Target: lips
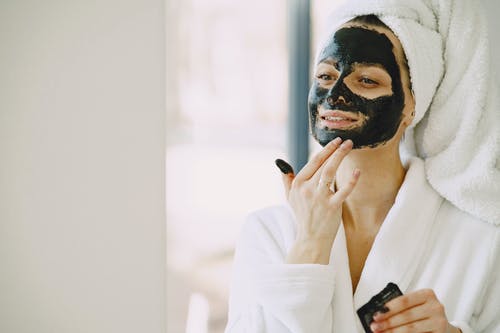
x=335, y=119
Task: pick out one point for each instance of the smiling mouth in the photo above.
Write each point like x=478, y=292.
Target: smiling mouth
x=338, y=120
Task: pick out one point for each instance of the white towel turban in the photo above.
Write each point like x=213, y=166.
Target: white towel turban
x=456, y=128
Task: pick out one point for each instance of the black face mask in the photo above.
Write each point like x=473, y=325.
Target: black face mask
x=351, y=46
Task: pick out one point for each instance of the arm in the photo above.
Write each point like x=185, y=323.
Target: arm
x=268, y=295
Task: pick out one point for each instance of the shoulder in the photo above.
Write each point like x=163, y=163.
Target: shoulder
x=475, y=237
x=459, y=221
x=449, y=218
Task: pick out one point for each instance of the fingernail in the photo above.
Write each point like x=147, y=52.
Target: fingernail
x=346, y=144
x=284, y=167
x=333, y=143
x=356, y=172
x=374, y=327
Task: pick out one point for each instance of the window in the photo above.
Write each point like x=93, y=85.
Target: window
x=227, y=86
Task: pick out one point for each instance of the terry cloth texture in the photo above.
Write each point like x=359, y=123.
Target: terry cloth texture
x=456, y=128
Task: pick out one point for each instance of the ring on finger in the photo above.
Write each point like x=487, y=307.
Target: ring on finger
x=328, y=184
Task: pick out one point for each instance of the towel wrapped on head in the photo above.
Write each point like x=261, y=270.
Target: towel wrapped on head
x=456, y=128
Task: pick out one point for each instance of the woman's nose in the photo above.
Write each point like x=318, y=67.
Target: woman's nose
x=331, y=101
x=337, y=93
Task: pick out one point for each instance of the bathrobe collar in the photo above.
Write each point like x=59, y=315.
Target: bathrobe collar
x=398, y=246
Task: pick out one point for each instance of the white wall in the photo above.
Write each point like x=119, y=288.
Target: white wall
x=82, y=180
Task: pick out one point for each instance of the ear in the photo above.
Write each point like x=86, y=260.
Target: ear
x=408, y=118
x=409, y=109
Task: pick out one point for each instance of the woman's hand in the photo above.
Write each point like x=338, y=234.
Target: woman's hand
x=419, y=311
x=317, y=207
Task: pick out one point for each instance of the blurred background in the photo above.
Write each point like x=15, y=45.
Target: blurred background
x=227, y=117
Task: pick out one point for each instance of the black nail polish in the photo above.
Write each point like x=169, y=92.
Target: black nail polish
x=283, y=166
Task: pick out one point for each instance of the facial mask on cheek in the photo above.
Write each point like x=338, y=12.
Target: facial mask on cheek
x=348, y=47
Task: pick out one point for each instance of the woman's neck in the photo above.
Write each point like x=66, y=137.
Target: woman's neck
x=382, y=174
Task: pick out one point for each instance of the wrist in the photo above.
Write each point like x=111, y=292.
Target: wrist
x=310, y=251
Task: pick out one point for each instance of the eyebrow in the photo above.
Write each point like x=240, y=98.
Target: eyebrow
x=330, y=61
x=369, y=64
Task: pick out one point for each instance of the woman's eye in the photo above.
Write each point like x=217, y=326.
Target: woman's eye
x=368, y=81
x=325, y=77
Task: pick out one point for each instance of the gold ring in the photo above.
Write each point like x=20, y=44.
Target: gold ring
x=327, y=184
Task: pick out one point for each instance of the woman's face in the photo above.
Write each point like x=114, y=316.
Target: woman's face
x=359, y=88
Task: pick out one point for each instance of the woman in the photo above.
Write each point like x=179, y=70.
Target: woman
x=359, y=217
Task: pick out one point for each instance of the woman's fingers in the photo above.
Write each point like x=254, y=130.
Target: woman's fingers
x=344, y=192
x=404, y=302
x=331, y=165
x=419, y=326
x=409, y=317
x=317, y=161
x=412, y=312
x=287, y=174
x=284, y=167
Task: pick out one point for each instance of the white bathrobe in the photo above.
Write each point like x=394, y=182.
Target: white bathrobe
x=424, y=242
